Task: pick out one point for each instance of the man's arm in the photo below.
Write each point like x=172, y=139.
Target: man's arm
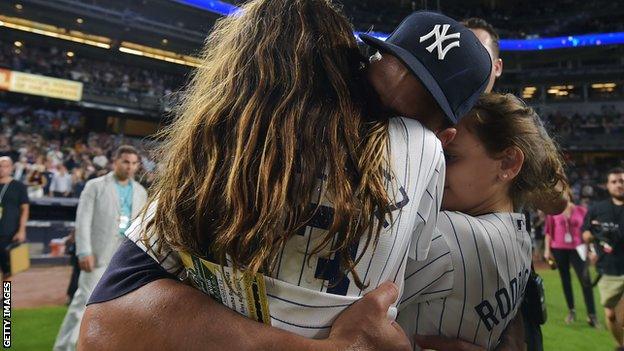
x=84, y=218
x=511, y=340
x=588, y=237
x=174, y=316
x=20, y=235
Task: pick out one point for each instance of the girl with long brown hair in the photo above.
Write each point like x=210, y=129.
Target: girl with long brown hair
x=274, y=166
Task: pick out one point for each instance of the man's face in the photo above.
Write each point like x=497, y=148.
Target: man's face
x=497, y=64
x=615, y=185
x=401, y=93
x=126, y=166
x=6, y=168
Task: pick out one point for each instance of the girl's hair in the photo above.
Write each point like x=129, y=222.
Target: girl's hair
x=503, y=121
x=276, y=105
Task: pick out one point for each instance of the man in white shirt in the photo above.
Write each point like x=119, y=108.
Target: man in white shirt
x=61, y=185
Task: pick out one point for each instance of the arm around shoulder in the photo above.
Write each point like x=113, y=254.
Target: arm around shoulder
x=172, y=316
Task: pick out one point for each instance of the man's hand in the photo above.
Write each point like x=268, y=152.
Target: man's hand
x=588, y=237
x=87, y=263
x=20, y=236
x=548, y=255
x=365, y=325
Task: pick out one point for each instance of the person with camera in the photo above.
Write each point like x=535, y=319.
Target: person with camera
x=604, y=225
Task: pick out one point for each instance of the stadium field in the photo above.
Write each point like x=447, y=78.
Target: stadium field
x=35, y=329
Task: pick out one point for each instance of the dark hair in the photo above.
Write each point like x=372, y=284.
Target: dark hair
x=615, y=170
x=125, y=149
x=480, y=23
x=503, y=121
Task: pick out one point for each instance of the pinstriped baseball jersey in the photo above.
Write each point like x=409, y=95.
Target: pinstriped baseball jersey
x=478, y=268
x=306, y=296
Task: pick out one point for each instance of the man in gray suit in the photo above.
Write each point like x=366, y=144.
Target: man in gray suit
x=107, y=206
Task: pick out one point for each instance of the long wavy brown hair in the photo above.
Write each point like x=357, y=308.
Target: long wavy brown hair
x=278, y=102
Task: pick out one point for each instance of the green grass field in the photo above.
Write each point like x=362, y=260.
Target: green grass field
x=577, y=336
x=35, y=329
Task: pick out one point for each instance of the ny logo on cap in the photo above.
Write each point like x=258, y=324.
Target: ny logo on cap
x=439, y=39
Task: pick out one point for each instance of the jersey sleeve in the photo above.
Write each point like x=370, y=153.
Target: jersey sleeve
x=130, y=269
x=588, y=218
x=429, y=279
x=418, y=164
x=153, y=245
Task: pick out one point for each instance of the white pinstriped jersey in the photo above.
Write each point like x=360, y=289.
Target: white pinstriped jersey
x=305, y=298
x=478, y=268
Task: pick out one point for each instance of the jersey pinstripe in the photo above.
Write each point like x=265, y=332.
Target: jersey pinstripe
x=306, y=292
x=478, y=267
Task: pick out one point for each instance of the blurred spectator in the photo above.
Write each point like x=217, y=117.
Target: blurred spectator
x=36, y=183
x=14, y=210
x=78, y=181
x=563, y=236
x=100, y=160
x=61, y=185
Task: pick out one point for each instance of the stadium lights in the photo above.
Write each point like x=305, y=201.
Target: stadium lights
x=603, y=85
x=18, y=44
x=528, y=92
x=158, y=54
x=54, y=32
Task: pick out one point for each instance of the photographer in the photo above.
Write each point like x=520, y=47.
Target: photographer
x=604, y=225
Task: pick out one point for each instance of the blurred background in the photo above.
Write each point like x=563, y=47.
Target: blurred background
x=80, y=78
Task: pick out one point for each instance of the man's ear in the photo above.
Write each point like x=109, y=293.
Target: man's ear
x=498, y=67
x=446, y=136
x=511, y=163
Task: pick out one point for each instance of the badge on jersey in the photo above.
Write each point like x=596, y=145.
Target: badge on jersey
x=241, y=292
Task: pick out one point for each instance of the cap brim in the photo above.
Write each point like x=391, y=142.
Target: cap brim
x=418, y=69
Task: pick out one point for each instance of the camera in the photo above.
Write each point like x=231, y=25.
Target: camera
x=607, y=234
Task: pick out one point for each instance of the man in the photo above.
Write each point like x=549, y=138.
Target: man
x=105, y=209
x=489, y=38
x=61, y=185
x=604, y=225
x=14, y=211
x=402, y=89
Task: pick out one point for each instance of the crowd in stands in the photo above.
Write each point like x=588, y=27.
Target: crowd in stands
x=609, y=122
x=55, y=155
x=100, y=77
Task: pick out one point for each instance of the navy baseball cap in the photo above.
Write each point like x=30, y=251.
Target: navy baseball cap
x=444, y=55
